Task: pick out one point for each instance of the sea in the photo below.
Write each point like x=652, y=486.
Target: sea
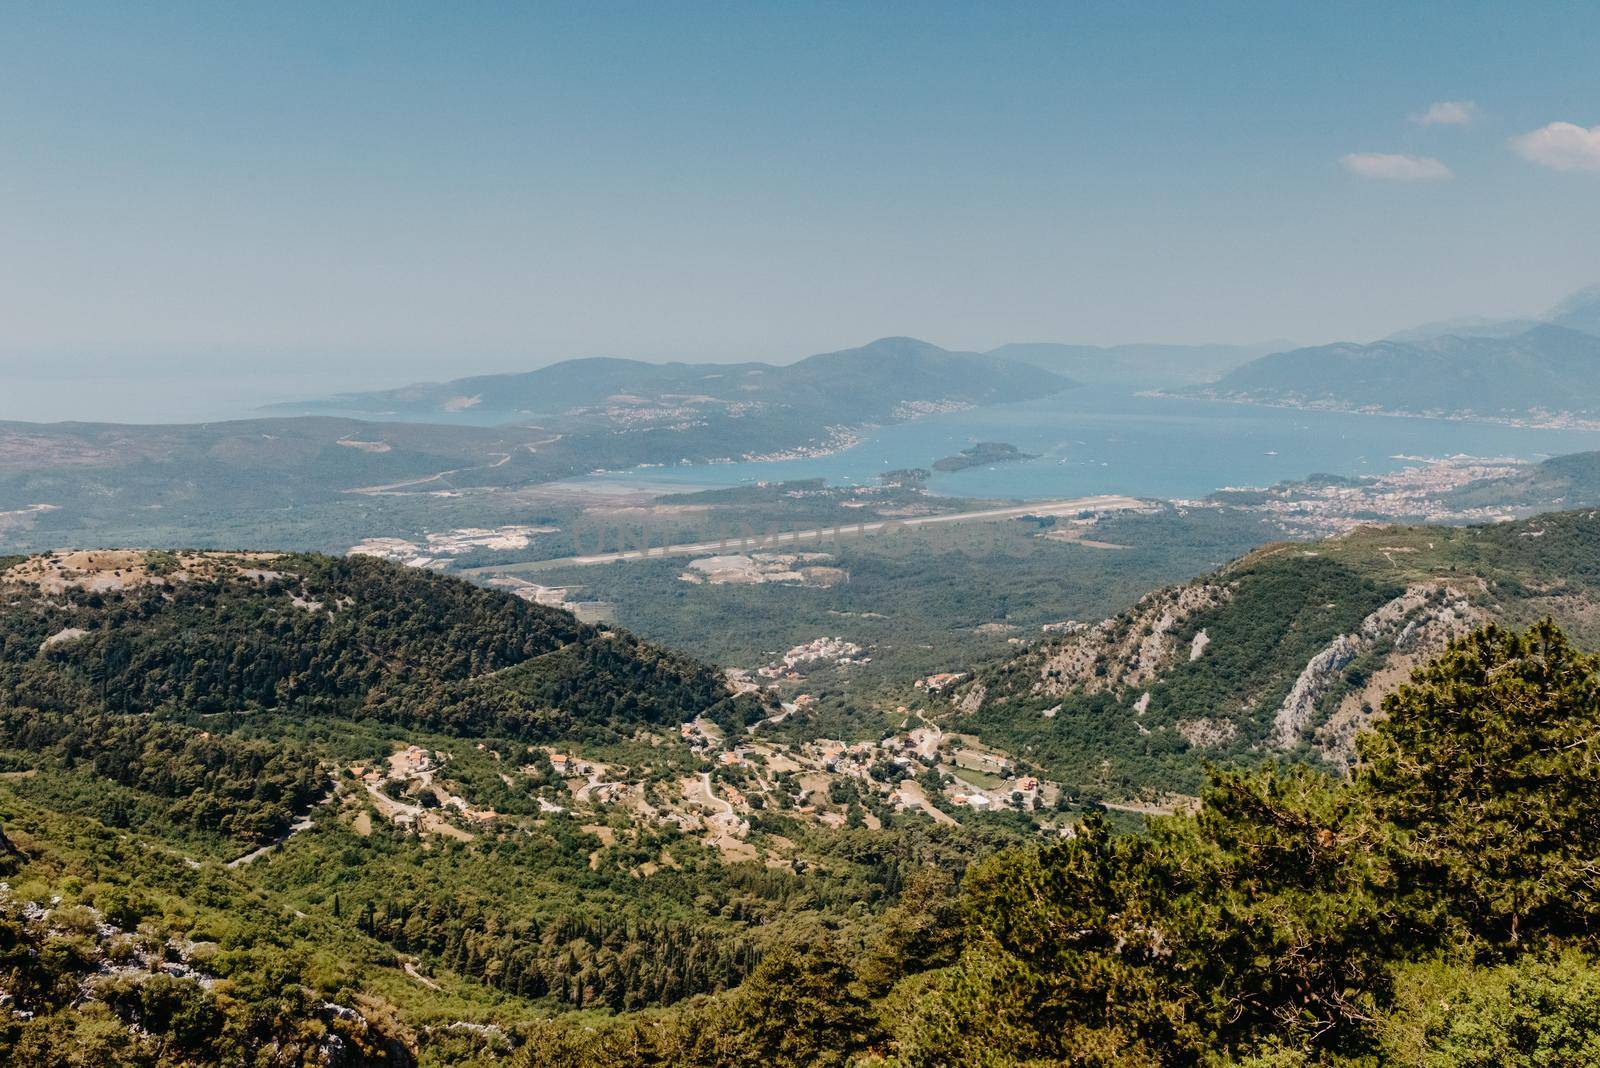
x=1089, y=440
x=1096, y=440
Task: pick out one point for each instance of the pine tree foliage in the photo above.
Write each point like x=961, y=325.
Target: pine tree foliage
x=1437, y=908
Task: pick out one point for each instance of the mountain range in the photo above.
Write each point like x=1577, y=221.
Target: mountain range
x=208, y=483
x=1525, y=370
x=871, y=383
x=1503, y=368
x=297, y=811
x=1578, y=311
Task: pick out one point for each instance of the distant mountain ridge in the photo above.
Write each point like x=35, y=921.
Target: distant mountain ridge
x=69, y=483
x=1577, y=311
x=862, y=384
x=1520, y=368
x=1547, y=371
x=1580, y=311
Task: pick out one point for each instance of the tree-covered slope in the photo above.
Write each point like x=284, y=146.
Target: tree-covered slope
x=1285, y=651
x=288, y=810
x=1433, y=907
x=143, y=663
x=1570, y=481
x=1437, y=908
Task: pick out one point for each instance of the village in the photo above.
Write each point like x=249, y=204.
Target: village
x=1417, y=493
x=917, y=771
x=822, y=651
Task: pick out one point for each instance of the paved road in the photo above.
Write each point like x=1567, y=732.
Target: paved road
x=842, y=531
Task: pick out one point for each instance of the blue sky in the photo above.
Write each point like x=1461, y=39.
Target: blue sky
x=432, y=189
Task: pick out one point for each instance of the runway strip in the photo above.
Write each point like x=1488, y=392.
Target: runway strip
x=847, y=530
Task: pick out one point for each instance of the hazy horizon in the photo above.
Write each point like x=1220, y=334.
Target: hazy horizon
x=362, y=197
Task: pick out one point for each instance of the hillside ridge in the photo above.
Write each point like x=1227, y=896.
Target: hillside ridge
x=1282, y=651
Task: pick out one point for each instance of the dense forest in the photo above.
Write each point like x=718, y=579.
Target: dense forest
x=1433, y=906
x=162, y=714
x=1436, y=909
x=150, y=685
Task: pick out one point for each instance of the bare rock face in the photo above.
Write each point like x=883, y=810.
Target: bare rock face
x=1297, y=710
x=1416, y=624
x=1329, y=702
x=972, y=699
x=1447, y=614
x=1130, y=650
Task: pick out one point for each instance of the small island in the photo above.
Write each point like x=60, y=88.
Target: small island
x=906, y=477
x=984, y=452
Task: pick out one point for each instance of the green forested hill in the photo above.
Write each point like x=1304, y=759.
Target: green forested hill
x=1285, y=651
x=144, y=663
x=1436, y=909
x=162, y=715
x=1572, y=481
x=1433, y=908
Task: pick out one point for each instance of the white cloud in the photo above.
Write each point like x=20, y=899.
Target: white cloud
x=1395, y=168
x=1447, y=113
x=1562, y=146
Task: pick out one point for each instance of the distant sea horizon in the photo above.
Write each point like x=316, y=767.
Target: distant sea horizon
x=161, y=396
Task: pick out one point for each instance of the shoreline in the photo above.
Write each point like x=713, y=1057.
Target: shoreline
x=1588, y=426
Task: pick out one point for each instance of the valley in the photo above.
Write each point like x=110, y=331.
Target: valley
x=997, y=535
x=501, y=828
x=659, y=747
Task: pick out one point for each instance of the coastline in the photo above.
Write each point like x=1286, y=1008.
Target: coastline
x=1554, y=422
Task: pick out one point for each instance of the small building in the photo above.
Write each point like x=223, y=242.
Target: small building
x=940, y=682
